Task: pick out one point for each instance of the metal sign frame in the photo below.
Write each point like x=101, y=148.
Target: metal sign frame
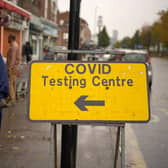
x=70, y=131
x=119, y=144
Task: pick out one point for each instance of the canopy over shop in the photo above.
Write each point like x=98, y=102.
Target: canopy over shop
x=18, y=25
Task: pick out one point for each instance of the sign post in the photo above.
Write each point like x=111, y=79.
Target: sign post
x=53, y=146
x=69, y=132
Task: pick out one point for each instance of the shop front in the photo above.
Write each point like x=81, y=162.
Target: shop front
x=36, y=37
x=49, y=33
x=18, y=25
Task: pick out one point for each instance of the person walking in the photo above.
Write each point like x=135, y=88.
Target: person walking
x=4, y=88
x=27, y=51
x=13, y=61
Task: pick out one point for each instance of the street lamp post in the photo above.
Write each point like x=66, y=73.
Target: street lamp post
x=100, y=24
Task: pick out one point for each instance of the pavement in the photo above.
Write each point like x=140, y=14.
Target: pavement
x=23, y=144
x=26, y=144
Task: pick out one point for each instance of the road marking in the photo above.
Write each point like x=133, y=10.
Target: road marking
x=154, y=119
x=164, y=110
x=134, y=156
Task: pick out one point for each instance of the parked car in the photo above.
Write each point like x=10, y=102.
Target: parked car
x=140, y=56
x=60, y=56
x=127, y=55
x=113, y=55
x=49, y=54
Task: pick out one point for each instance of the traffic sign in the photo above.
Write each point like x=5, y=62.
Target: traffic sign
x=88, y=92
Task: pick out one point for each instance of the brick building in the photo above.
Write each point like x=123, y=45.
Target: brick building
x=40, y=8
x=43, y=28
x=63, y=29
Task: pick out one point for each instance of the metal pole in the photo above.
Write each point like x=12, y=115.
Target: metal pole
x=123, y=146
x=53, y=146
x=69, y=132
x=117, y=147
x=102, y=51
x=99, y=26
x=74, y=28
x=99, y=38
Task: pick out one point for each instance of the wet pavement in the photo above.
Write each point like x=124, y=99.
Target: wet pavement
x=25, y=144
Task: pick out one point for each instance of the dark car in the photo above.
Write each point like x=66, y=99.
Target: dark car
x=139, y=56
x=49, y=54
x=127, y=55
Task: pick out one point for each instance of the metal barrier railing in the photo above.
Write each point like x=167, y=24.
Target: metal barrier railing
x=22, y=80
x=112, y=51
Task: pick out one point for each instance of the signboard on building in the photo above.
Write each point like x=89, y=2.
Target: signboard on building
x=88, y=92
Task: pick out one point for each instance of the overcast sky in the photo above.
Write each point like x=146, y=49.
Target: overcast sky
x=126, y=16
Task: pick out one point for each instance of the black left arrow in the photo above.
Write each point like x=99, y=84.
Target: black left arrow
x=81, y=103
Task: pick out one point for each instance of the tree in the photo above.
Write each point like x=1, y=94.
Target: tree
x=126, y=42
x=104, y=38
x=146, y=36
x=156, y=35
x=117, y=44
x=164, y=26
x=136, y=40
x=149, y=35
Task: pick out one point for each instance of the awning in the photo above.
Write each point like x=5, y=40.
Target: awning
x=14, y=8
x=49, y=23
x=35, y=24
x=50, y=31
x=49, y=28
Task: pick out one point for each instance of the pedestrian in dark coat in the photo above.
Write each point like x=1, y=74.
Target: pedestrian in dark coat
x=28, y=51
x=4, y=88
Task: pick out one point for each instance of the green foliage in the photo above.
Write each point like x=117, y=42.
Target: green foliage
x=104, y=38
x=117, y=44
x=164, y=25
x=146, y=36
x=156, y=32
x=154, y=35
x=126, y=42
x=136, y=39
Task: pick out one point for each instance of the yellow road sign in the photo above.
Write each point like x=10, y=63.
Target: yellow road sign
x=79, y=92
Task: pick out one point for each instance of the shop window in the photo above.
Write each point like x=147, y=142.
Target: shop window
x=34, y=46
